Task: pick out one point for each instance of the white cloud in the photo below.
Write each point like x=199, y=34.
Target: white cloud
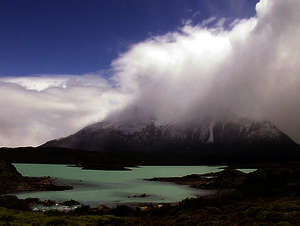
x=43, y=82
x=250, y=70
x=208, y=21
x=36, y=109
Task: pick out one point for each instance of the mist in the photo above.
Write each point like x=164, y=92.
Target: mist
x=219, y=68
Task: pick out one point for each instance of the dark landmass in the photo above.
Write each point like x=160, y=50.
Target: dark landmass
x=244, y=156
x=95, y=166
x=265, y=181
x=70, y=203
x=228, y=178
x=11, y=181
x=144, y=195
x=268, y=196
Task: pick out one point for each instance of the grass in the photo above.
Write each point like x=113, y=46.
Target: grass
x=17, y=217
x=282, y=211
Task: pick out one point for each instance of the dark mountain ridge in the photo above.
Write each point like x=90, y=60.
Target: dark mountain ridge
x=151, y=136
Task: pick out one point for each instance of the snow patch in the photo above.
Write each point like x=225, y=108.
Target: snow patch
x=211, y=132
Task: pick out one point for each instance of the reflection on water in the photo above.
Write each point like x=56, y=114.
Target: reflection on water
x=95, y=187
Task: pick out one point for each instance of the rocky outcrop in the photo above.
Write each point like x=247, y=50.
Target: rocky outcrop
x=264, y=181
x=226, y=179
x=11, y=181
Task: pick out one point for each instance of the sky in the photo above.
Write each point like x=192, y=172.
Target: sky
x=66, y=64
x=83, y=36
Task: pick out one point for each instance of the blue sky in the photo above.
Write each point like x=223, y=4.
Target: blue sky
x=81, y=36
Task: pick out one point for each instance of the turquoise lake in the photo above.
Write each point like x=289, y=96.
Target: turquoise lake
x=96, y=187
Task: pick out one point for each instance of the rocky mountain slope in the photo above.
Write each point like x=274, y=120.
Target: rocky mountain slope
x=148, y=135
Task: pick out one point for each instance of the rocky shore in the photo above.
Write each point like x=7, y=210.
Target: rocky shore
x=11, y=181
x=267, y=196
x=269, y=181
x=228, y=178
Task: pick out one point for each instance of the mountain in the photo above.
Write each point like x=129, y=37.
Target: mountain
x=149, y=135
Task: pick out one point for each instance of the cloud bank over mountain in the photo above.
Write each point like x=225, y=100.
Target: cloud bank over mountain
x=246, y=67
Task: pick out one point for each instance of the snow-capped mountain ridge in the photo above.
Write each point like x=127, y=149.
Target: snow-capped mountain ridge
x=151, y=135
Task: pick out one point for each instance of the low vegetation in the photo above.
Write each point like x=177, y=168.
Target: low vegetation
x=222, y=211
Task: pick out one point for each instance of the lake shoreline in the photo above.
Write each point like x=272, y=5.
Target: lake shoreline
x=268, y=196
x=208, y=181
x=14, y=182
x=117, y=187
